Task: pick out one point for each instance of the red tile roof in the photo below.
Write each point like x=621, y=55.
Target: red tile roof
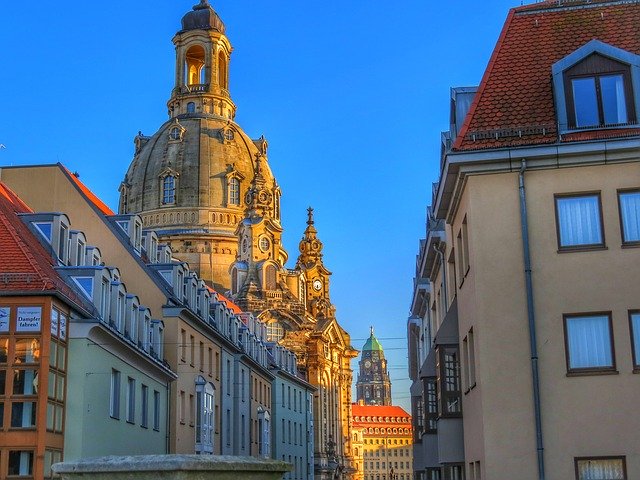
x=234, y=308
x=378, y=411
x=100, y=205
x=514, y=105
x=25, y=265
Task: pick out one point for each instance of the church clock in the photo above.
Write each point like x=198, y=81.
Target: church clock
x=317, y=285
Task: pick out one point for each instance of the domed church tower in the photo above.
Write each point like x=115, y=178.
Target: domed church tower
x=190, y=180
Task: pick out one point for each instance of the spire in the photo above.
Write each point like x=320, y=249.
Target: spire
x=310, y=246
x=371, y=330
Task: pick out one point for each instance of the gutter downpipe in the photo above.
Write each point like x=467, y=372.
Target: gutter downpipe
x=532, y=323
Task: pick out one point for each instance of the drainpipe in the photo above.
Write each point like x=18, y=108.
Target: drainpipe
x=532, y=320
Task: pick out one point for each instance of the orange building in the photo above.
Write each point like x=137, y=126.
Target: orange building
x=35, y=305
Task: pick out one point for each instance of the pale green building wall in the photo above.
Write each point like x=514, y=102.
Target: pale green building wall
x=90, y=431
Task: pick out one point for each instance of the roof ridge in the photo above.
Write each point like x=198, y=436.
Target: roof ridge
x=558, y=5
x=457, y=143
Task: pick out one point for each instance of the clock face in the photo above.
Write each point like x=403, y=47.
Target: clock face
x=367, y=364
x=317, y=285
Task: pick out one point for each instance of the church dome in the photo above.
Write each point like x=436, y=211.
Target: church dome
x=202, y=17
x=204, y=153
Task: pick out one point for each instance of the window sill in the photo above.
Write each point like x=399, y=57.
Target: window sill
x=585, y=248
x=182, y=422
x=587, y=373
x=130, y=422
x=630, y=245
x=636, y=369
x=114, y=418
x=144, y=426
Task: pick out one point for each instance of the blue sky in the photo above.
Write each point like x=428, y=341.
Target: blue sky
x=351, y=95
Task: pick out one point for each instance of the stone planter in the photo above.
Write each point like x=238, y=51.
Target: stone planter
x=173, y=467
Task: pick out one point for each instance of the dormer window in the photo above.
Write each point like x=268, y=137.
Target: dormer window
x=45, y=228
x=597, y=86
x=169, y=190
x=600, y=93
x=175, y=133
x=234, y=191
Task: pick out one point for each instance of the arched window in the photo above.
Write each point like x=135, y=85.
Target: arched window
x=234, y=191
x=169, y=190
x=191, y=107
x=234, y=280
x=204, y=418
x=270, y=274
x=222, y=70
x=194, y=66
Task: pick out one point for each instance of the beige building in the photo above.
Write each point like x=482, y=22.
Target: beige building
x=223, y=389
x=525, y=328
x=384, y=442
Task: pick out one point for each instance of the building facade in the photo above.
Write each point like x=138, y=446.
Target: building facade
x=373, y=386
x=206, y=188
x=539, y=184
x=74, y=341
x=386, y=441
x=293, y=426
x=224, y=384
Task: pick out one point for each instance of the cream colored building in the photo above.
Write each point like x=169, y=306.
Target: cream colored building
x=220, y=356
x=525, y=328
x=384, y=437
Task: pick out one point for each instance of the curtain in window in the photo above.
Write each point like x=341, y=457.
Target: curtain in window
x=604, y=469
x=613, y=100
x=589, y=342
x=630, y=212
x=579, y=219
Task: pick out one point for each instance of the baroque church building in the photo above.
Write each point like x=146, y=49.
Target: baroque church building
x=374, y=384
x=205, y=187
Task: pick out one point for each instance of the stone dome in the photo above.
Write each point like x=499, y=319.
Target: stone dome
x=203, y=152
x=202, y=17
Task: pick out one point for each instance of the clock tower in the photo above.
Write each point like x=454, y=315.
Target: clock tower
x=373, y=386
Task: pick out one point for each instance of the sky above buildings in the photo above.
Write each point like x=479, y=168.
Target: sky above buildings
x=351, y=95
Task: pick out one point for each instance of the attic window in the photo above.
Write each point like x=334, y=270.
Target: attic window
x=599, y=93
x=597, y=86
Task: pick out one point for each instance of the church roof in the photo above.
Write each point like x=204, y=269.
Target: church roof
x=372, y=344
x=202, y=17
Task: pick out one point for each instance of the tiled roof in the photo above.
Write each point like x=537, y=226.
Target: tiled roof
x=514, y=105
x=366, y=414
x=25, y=265
x=234, y=308
x=90, y=196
